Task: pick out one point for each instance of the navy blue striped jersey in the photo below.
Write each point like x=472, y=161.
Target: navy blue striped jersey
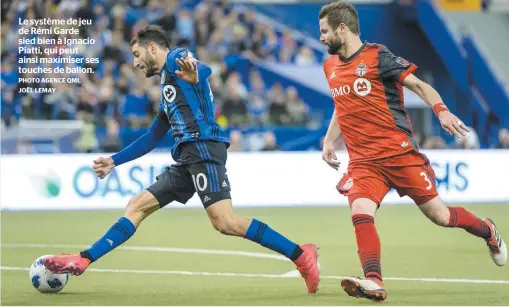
x=190, y=108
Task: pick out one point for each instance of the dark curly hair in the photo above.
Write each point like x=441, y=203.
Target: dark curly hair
x=151, y=33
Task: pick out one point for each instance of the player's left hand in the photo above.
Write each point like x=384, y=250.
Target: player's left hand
x=188, y=70
x=452, y=124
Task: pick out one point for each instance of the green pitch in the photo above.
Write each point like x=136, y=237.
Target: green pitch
x=412, y=247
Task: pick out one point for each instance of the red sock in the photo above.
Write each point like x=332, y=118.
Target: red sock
x=368, y=244
x=461, y=218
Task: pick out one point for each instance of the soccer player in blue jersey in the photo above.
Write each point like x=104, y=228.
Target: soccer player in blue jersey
x=187, y=108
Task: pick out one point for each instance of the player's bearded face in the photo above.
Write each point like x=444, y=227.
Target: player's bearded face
x=145, y=60
x=330, y=38
x=333, y=43
x=150, y=65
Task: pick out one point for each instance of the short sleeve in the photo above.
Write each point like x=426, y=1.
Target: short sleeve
x=324, y=66
x=392, y=67
x=204, y=71
x=177, y=53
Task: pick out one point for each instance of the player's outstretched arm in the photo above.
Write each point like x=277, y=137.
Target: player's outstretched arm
x=332, y=135
x=452, y=124
x=143, y=145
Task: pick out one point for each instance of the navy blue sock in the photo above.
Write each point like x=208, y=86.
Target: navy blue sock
x=120, y=232
x=264, y=235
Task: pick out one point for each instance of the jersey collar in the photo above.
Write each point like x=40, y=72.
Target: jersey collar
x=162, y=68
x=353, y=56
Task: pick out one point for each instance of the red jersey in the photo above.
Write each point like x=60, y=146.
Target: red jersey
x=368, y=99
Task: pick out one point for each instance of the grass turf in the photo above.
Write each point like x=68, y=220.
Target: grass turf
x=411, y=247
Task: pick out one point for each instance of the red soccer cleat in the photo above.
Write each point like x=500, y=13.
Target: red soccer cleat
x=73, y=264
x=307, y=264
x=497, y=246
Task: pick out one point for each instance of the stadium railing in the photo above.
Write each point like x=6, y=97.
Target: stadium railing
x=41, y=136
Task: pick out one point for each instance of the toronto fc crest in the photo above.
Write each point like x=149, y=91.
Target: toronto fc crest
x=361, y=70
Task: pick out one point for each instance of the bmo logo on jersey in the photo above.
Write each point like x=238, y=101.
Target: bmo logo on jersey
x=362, y=87
x=340, y=91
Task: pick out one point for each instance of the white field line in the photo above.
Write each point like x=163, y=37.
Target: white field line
x=291, y=274
x=155, y=249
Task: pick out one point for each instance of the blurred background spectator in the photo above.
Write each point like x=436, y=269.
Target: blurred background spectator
x=270, y=142
x=503, y=139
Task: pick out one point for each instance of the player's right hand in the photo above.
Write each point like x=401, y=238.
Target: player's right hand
x=329, y=155
x=452, y=124
x=188, y=70
x=103, y=166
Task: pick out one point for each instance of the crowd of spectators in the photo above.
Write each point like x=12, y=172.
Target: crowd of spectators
x=118, y=96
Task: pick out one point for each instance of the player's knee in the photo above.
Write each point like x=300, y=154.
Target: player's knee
x=437, y=212
x=364, y=206
x=439, y=216
x=143, y=204
x=134, y=204
x=221, y=225
x=225, y=225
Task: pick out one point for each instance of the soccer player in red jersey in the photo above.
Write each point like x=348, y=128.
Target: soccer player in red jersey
x=366, y=82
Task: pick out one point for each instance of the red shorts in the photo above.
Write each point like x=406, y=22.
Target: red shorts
x=409, y=174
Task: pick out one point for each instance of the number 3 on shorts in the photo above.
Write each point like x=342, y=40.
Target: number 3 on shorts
x=430, y=185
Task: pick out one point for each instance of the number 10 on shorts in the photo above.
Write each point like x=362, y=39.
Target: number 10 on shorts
x=200, y=182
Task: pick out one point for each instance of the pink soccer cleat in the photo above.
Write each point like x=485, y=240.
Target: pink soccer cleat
x=307, y=264
x=73, y=264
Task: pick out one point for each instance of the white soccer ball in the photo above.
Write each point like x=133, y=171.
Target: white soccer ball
x=43, y=280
